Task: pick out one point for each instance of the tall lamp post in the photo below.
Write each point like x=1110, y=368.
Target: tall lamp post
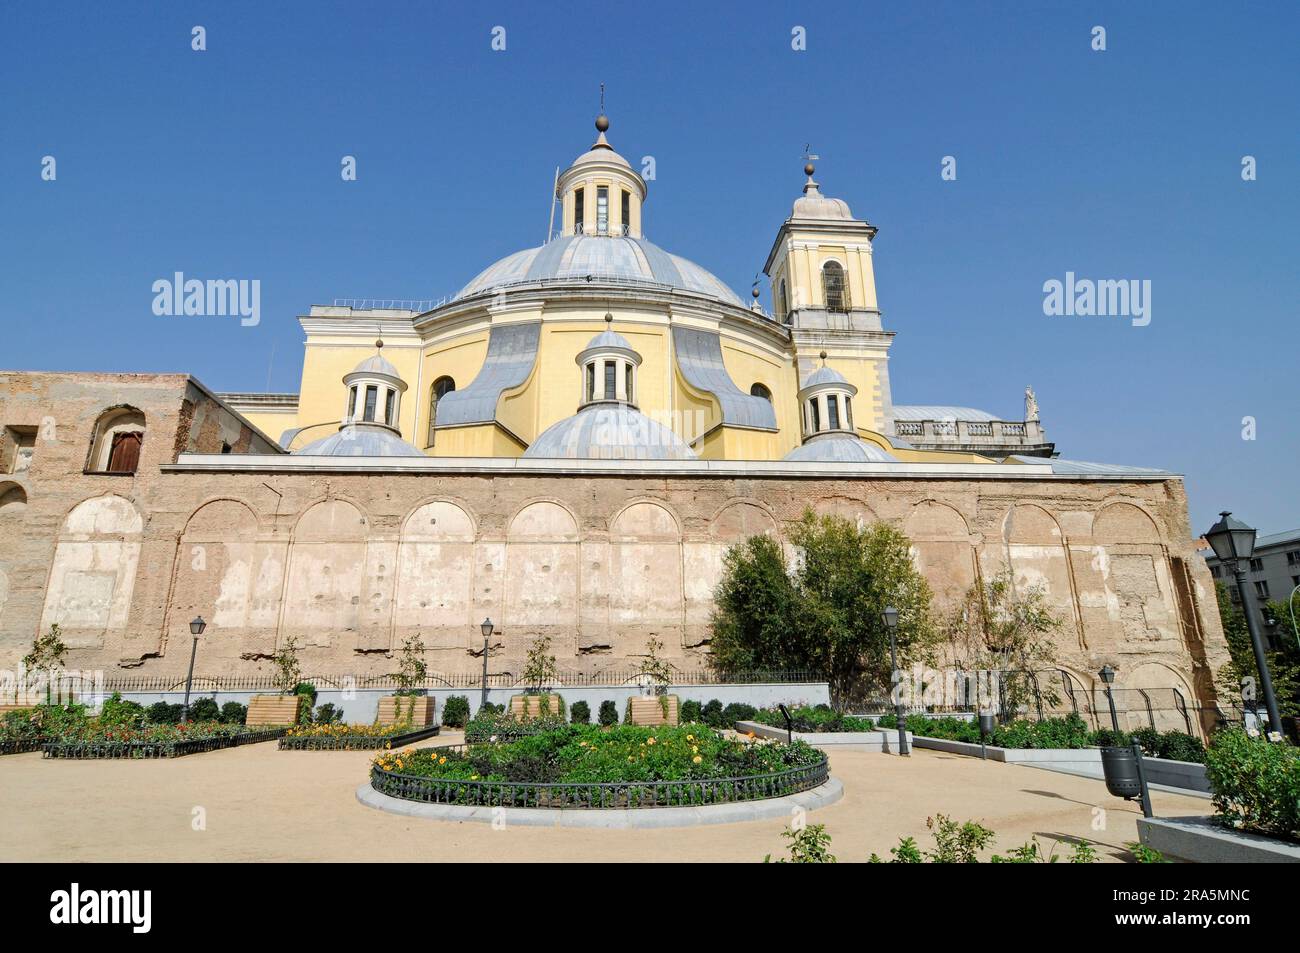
x=890, y=615
x=1234, y=543
x=486, y=628
x=1108, y=678
x=196, y=629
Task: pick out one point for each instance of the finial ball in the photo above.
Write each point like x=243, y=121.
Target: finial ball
x=609, y=318
x=602, y=123
x=755, y=292
x=822, y=355
x=809, y=169
x=379, y=343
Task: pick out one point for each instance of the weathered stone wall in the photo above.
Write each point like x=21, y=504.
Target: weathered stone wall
x=351, y=564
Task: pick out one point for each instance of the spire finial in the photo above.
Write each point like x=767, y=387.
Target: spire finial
x=602, y=121
x=822, y=355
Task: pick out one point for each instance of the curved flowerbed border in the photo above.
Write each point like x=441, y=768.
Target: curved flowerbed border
x=632, y=795
x=354, y=742
x=82, y=750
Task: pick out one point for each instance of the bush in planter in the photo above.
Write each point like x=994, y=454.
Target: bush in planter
x=455, y=711
x=711, y=714
x=608, y=713
x=328, y=714
x=690, y=712
x=1255, y=783
x=1068, y=732
x=233, y=713
x=580, y=713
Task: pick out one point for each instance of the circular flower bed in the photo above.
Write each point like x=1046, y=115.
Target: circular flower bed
x=584, y=766
x=340, y=737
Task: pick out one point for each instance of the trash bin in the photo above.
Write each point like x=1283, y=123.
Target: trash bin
x=1121, y=770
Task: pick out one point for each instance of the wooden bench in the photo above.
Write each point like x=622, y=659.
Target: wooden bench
x=649, y=710
x=272, y=710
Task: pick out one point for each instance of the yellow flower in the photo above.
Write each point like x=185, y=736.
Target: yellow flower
x=473, y=777
x=442, y=760
x=695, y=749
x=629, y=757
x=690, y=737
x=697, y=759
x=651, y=741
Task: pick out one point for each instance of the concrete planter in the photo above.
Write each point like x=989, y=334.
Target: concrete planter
x=1201, y=840
x=831, y=741
x=395, y=708
x=1184, y=775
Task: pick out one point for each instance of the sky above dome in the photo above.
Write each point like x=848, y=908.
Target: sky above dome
x=1123, y=164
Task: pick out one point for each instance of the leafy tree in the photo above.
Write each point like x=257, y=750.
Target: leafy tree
x=288, y=671
x=823, y=614
x=540, y=668
x=1283, y=664
x=1002, y=627
x=47, y=654
x=410, y=666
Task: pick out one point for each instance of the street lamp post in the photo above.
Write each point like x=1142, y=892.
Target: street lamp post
x=1108, y=677
x=196, y=629
x=1234, y=543
x=890, y=615
x=486, y=628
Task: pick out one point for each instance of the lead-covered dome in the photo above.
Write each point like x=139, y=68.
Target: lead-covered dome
x=609, y=431
x=360, y=440
x=600, y=258
x=839, y=448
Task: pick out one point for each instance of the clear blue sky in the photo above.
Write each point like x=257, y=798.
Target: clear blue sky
x=1122, y=164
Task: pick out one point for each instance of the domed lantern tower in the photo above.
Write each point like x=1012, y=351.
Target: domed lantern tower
x=601, y=194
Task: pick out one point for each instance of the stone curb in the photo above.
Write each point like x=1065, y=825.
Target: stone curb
x=1202, y=841
x=654, y=817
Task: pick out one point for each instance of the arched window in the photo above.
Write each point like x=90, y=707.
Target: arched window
x=758, y=390
x=834, y=287
x=782, y=312
x=117, y=441
x=441, y=388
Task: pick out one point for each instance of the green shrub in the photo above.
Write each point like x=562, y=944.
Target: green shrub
x=455, y=711
x=1255, y=783
x=117, y=712
x=580, y=713
x=327, y=714
x=608, y=713
x=1180, y=746
x=808, y=845
x=737, y=711
x=501, y=726
x=202, y=709
x=164, y=713
x=711, y=714
x=1109, y=738
x=689, y=712
x=1068, y=732
x=233, y=713
x=306, y=688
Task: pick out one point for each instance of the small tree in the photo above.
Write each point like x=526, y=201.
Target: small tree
x=288, y=671
x=47, y=654
x=656, y=667
x=411, y=668
x=1000, y=627
x=540, y=669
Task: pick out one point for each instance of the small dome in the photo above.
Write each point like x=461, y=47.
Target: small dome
x=609, y=432
x=837, y=447
x=812, y=204
x=823, y=375
x=608, y=339
x=376, y=364
x=360, y=440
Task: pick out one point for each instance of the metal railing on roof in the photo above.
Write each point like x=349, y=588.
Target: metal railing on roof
x=391, y=304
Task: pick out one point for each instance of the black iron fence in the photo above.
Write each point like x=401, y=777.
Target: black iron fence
x=602, y=795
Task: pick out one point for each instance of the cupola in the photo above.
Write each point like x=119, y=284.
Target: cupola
x=609, y=367
x=601, y=194
x=374, y=392
x=826, y=402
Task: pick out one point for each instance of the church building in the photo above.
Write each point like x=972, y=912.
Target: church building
x=567, y=446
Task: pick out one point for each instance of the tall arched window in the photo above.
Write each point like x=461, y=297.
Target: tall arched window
x=782, y=312
x=118, y=438
x=441, y=388
x=834, y=287
x=759, y=390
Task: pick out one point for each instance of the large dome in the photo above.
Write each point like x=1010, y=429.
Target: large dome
x=609, y=431
x=600, y=258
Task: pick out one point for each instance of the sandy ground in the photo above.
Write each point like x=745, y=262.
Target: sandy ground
x=259, y=803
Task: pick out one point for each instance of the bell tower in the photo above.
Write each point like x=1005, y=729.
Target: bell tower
x=823, y=285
